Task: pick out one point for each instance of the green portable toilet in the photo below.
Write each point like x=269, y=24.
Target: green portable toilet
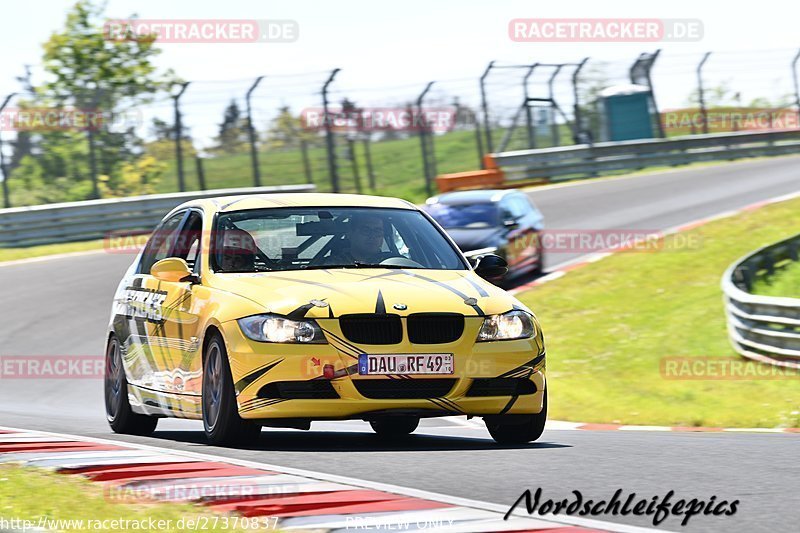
x=627, y=112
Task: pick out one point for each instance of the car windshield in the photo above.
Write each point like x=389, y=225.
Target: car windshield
x=263, y=240
x=482, y=215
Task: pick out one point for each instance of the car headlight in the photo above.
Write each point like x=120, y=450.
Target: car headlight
x=512, y=325
x=271, y=328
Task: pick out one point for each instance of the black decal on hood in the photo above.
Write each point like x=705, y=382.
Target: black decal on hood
x=445, y=286
x=300, y=312
x=481, y=291
x=380, y=306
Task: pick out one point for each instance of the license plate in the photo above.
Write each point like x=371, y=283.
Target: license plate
x=411, y=363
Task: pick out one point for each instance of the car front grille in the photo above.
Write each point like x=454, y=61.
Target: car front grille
x=423, y=328
x=501, y=387
x=372, y=328
x=403, y=389
x=435, y=328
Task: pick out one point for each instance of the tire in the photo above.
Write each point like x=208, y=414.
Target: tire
x=221, y=421
x=119, y=414
x=394, y=427
x=517, y=429
x=538, y=270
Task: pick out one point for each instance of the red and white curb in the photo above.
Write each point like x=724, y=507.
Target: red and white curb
x=295, y=499
x=562, y=268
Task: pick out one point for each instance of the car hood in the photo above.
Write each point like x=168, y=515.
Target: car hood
x=469, y=239
x=331, y=293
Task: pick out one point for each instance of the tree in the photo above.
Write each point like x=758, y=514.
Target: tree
x=232, y=137
x=286, y=131
x=87, y=71
x=163, y=146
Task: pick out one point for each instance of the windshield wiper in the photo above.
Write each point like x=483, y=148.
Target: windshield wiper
x=364, y=264
x=354, y=264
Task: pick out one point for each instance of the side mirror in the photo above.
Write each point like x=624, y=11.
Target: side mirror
x=174, y=270
x=511, y=224
x=491, y=267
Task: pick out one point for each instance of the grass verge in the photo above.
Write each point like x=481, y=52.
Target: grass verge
x=50, y=500
x=13, y=254
x=610, y=324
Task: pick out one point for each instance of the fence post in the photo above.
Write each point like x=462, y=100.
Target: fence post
x=368, y=157
x=251, y=131
x=351, y=148
x=578, y=128
x=306, y=163
x=485, y=108
x=478, y=139
x=642, y=66
x=528, y=116
x=201, y=175
x=700, y=92
x=423, y=134
x=796, y=85
x=331, y=147
x=551, y=94
x=92, y=152
x=3, y=167
x=179, y=137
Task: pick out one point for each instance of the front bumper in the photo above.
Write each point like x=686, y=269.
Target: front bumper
x=260, y=370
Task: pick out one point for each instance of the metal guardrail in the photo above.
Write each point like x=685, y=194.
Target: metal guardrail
x=765, y=328
x=584, y=160
x=94, y=219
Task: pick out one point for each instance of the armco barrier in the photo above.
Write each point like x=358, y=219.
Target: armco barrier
x=93, y=219
x=588, y=160
x=765, y=328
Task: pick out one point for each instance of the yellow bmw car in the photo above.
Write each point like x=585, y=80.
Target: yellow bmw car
x=278, y=310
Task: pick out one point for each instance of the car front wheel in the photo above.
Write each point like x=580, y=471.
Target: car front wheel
x=517, y=429
x=221, y=421
x=394, y=426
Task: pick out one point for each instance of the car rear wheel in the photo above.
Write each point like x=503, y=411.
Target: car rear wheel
x=517, y=429
x=119, y=414
x=394, y=426
x=221, y=420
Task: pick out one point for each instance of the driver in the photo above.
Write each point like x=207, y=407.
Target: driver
x=363, y=242
x=238, y=251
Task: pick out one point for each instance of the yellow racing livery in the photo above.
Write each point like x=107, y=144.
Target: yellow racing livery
x=280, y=309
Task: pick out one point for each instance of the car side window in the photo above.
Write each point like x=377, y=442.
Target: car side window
x=161, y=242
x=187, y=245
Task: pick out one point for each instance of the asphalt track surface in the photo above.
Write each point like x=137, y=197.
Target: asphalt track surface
x=61, y=307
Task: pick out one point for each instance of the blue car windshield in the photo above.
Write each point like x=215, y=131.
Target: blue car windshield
x=482, y=215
